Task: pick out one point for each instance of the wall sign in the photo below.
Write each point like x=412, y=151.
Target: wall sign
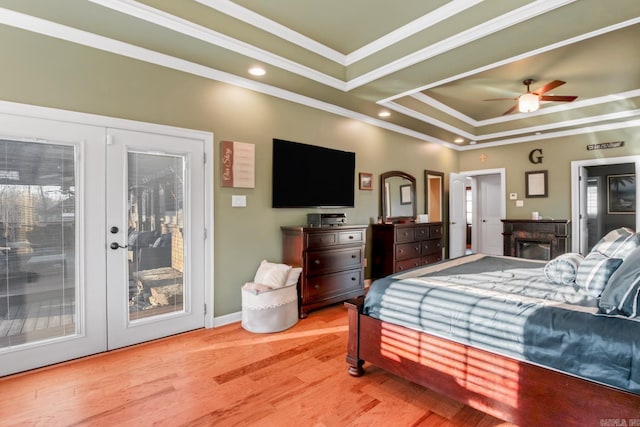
x=614, y=144
x=238, y=161
x=535, y=156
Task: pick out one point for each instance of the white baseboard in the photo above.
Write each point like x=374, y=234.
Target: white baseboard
x=227, y=319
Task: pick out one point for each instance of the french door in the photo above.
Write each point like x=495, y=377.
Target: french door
x=101, y=239
x=155, y=236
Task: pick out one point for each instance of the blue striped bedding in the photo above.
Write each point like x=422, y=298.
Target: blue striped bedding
x=507, y=306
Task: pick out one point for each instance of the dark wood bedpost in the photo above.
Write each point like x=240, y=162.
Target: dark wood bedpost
x=354, y=309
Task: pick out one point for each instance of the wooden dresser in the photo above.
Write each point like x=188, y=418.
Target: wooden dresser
x=332, y=261
x=398, y=247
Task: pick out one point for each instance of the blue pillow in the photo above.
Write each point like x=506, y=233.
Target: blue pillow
x=622, y=294
x=562, y=270
x=618, y=243
x=594, y=272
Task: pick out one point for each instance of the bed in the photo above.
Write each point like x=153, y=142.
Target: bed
x=530, y=342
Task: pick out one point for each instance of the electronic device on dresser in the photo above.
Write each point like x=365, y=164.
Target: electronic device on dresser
x=332, y=261
x=326, y=219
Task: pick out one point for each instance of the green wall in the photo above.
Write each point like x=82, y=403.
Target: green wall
x=52, y=73
x=558, y=154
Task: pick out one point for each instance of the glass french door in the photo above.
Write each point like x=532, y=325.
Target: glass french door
x=101, y=239
x=51, y=221
x=155, y=236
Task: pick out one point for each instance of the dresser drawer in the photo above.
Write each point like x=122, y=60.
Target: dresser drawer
x=405, y=235
x=332, y=285
x=431, y=246
x=421, y=233
x=430, y=259
x=407, y=250
x=346, y=237
x=407, y=264
x=320, y=240
x=435, y=231
x=319, y=262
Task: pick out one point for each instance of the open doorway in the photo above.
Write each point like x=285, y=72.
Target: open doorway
x=604, y=194
x=477, y=206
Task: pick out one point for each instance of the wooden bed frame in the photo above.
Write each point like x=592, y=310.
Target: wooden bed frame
x=515, y=391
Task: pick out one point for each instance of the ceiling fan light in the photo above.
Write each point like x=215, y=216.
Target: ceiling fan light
x=528, y=103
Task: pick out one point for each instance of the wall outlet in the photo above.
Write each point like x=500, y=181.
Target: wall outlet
x=519, y=203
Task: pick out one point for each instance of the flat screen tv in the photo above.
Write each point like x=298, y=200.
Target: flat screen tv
x=307, y=176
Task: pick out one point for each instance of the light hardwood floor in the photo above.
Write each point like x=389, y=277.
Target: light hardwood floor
x=228, y=376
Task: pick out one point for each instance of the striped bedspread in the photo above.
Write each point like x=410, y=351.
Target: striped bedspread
x=507, y=306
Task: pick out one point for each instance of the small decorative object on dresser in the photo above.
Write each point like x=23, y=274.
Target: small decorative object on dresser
x=398, y=247
x=332, y=261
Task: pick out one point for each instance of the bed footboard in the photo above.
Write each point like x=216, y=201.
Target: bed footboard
x=354, y=309
x=506, y=388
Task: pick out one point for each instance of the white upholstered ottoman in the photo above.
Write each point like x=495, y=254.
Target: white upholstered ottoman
x=266, y=309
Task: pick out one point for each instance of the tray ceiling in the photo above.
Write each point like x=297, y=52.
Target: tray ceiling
x=431, y=65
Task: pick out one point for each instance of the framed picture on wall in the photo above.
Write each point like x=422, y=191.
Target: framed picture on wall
x=536, y=184
x=621, y=194
x=366, y=181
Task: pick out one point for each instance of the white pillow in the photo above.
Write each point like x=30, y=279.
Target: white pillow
x=292, y=277
x=563, y=269
x=272, y=274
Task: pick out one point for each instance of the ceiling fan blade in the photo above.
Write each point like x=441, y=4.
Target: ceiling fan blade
x=510, y=110
x=549, y=86
x=558, y=98
x=501, y=99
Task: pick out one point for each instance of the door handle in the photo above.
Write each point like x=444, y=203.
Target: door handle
x=116, y=245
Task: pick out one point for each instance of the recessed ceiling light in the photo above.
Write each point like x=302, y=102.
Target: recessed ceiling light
x=458, y=140
x=384, y=114
x=257, y=71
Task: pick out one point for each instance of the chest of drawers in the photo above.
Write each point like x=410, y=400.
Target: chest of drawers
x=398, y=247
x=332, y=261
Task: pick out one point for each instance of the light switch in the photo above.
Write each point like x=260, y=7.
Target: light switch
x=519, y=203
x=238, y=201
x=513, y=196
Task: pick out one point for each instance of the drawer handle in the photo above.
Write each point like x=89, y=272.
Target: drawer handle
x=400, y=251
x=351, y=237
x=417, y=248
x=353, y=256
x=316, y=262
x=317, y=286
x=353, y=279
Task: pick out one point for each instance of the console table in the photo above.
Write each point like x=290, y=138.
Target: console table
x=536, y=239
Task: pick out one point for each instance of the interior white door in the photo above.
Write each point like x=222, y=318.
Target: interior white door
x=457, y=216
x=52, y=252
x=583, y=236
x=489, y=214
x=155, y=235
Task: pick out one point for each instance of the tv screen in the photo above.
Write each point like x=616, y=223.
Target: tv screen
x=311, y=176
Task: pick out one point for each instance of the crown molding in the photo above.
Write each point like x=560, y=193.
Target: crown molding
x=249, y=17
x=182, y=26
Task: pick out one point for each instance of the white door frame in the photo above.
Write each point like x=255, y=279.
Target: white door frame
x=475, y=232
x=576, y=167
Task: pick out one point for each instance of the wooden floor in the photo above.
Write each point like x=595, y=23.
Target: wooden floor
x=228, y=376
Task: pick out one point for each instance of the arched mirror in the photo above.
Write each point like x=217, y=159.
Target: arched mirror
x=434, y=195
x=398, y=196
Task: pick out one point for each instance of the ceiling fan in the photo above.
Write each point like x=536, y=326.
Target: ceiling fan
x=530, y=101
